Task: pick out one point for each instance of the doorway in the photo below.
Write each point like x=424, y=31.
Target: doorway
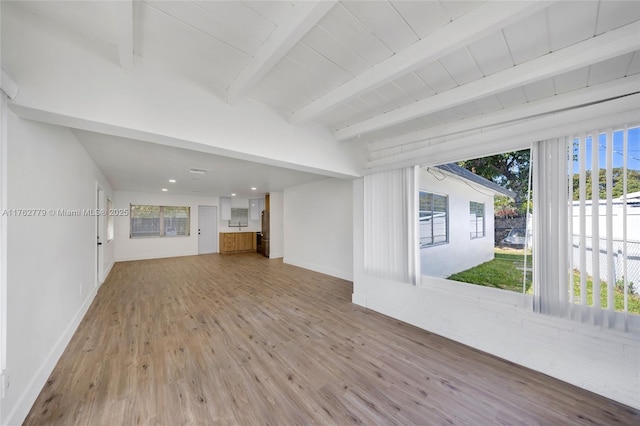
x=207, y=229
x=99, y=235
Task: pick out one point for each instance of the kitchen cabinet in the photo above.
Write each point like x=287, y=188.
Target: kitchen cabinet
x=225, y=208
x=237, y=242
x=256, y=206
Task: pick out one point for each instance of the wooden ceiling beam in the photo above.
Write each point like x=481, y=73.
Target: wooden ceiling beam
x=587, y=95
x=597, y=49
x=479, y=22
x=515, y=136
x=305, y=15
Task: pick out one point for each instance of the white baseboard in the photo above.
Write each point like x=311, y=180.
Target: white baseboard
x=275, y=255
x=26, y=400
x=359, y=300
x=323, y=270
x=149, y=257
x=107, y=271
x=105, y=274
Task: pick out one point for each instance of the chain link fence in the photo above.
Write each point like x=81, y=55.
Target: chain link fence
x=633, y=260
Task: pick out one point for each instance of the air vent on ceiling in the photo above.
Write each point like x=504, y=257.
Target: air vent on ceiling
x=197, y=171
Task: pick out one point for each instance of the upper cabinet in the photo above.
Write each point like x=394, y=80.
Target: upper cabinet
x=225, y=208
x=256, y=205
x=255, y=208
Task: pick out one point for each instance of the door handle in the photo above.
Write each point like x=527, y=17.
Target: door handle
x=99, y=243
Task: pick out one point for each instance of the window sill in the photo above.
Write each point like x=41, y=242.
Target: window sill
x=434, y=245
x=460, y=289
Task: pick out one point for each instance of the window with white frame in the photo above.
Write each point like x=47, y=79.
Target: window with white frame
x=159, y=221
x=434, y=219
x=476, y=215
x=477, y=189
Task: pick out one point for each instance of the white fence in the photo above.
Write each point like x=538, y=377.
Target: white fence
x=633, y=259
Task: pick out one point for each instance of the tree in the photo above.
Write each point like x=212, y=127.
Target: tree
x=633, y=183
x=509, y=170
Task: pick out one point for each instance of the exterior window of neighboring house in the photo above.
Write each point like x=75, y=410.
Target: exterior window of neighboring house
x=434, y=219
x=110, y=227
x=159, y=221
x=476, y=214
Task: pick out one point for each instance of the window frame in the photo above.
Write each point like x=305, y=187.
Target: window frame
x=475, y=221
x=446, y=212
x=162, y=229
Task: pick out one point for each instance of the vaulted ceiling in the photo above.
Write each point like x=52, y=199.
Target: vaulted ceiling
x=394, y=75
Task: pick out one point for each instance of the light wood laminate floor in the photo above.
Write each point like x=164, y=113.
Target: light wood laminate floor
x=241, y=339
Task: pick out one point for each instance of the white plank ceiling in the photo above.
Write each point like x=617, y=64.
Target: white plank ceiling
x=340, y=65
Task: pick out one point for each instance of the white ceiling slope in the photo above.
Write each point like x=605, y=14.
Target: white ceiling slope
x=384, y=78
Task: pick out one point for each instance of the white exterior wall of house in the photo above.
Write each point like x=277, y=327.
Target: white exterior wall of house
x=461, y=252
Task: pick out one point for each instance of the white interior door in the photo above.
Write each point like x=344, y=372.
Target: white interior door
x=99, y=235
x=207, y=229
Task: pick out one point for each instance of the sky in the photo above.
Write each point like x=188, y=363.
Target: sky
x=633, y=150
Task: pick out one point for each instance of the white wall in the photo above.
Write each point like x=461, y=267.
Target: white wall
x=502, y=323
x=63, y=81
x=461, y=252
x=276, y=225
x=51, y=260
x=318, y=227
x=152, y=248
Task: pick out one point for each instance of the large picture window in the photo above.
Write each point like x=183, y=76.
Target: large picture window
x=434, y=219
x=159, y=221
x=476, y=215
x=477, y=250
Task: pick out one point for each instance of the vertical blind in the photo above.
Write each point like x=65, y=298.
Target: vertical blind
x=605, y=256
x=391, y=225
x=586, y=256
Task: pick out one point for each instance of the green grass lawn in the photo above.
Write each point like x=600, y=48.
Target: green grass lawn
x=618, y=295
x=505, y=272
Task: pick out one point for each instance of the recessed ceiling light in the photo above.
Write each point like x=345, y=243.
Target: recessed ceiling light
x=233, y=195
x=172, y=181
x=253, y=188
x=164, y=189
